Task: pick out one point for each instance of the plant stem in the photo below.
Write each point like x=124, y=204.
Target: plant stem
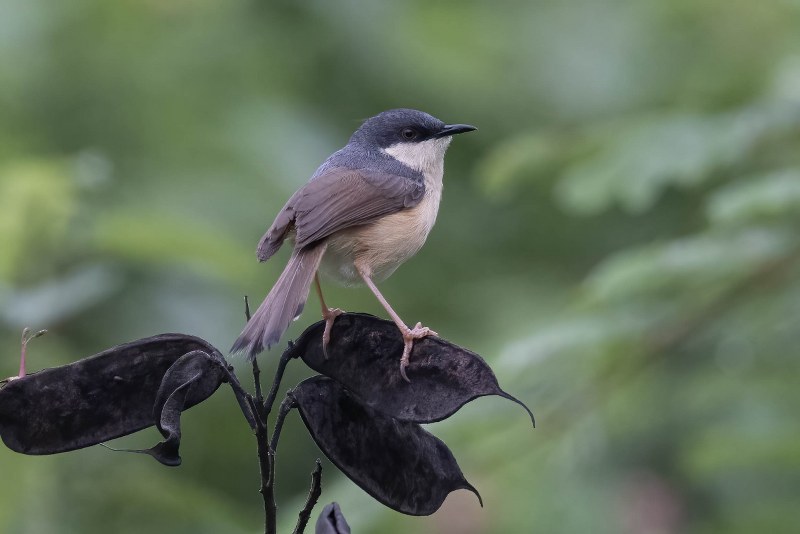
x=246, y=402
x=27, y=337
x=276, y=383
x=265, y=457
x=257, y=381
x=23, y=353
x=272, y=511
x=268, y=481
x=256, y=369
x=286, y=406
x=261, y=409
x=265, y=462
x=313, y=494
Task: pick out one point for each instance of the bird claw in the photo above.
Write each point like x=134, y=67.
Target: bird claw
x=409, y=336
x=419, y=331
x=403, y=365
x=330, y=316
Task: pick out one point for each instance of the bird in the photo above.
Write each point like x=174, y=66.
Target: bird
x=367, y=209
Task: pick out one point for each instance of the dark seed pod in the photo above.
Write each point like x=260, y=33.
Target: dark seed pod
x=190, y=380
x=364, y=356
x=332, y=521
x=99, y=398
x=397, y=462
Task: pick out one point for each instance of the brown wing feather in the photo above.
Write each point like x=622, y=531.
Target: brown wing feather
x=273, y=239
x=338, y=199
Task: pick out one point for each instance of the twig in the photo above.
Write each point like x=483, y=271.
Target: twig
x=22, y=353
x=311, y=500
x=272, y=516
x=268, y=481
x=256, y=368
x=245, y=400
x=266, y=460
x=267, y=467
x=257, y=381
x=27, y=337
x=286, y=406
x=273, y=392
x=261, y=409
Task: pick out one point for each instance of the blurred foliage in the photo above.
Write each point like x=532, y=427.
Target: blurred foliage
x=620, y=240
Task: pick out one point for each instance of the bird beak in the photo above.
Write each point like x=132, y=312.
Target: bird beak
x=453, y=129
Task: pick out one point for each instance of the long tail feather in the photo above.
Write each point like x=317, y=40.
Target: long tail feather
x=282, y=305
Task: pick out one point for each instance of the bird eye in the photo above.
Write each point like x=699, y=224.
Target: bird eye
x=409, y=133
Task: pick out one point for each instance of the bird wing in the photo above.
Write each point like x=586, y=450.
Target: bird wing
x=339, y=198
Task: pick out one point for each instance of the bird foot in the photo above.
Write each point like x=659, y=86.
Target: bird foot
x=409, y=336
x=330, y=315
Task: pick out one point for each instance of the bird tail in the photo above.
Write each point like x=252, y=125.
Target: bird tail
x=282, y=305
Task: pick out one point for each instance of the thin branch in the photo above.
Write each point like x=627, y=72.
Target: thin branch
x=270, y=507
x=245, y=400
x=266, y=467
x=268, y=480
x=258, y=421
x=252, y=412
x=23, y=352
x=276, y=383
x=286, y=406
x=257, y=381
x=266, y=460
x=311, y=500
x=266, y=449
x=256, y=369
x=27, y=337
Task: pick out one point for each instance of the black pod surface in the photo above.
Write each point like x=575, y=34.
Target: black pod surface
x=364, y=356
x=331, y=521
x=102, y=397
x=397, y=462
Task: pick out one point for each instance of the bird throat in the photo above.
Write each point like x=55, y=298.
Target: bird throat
x=426, y=157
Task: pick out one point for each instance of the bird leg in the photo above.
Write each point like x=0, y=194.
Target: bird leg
x=409, y=334
x=329, y=314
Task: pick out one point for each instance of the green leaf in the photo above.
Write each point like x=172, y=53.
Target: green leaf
x=699, y=262
x=638, y=159
x=760, y=198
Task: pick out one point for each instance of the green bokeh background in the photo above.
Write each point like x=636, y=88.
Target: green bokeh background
x=619, y=240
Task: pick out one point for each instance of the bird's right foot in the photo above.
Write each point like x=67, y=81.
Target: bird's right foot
x=409, y=336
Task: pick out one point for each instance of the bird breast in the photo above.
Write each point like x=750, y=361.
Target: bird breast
x=383, y=245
